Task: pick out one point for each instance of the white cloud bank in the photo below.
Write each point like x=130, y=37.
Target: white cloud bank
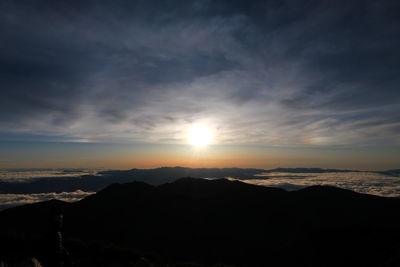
x=11, y=200
x=362, y=182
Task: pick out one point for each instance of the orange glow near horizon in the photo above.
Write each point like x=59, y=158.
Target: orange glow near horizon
x=201, y=161
x=124, y=156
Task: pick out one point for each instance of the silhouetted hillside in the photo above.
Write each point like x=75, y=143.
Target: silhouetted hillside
x=221, y=221
x=95, y=183
x=168, y=174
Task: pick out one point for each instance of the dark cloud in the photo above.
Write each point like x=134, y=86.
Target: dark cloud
x=144, y=70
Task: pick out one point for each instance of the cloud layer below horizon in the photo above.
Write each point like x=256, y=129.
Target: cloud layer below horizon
x=263, y=72
x=11, y=200
x=361, y=182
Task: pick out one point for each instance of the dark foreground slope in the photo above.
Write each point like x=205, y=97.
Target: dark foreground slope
x=217, y=221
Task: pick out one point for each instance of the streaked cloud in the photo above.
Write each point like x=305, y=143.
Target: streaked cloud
x=264, y=72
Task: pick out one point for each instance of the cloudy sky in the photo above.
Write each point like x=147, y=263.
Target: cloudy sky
x=278, y=83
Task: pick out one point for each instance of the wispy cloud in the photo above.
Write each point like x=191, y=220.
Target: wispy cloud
x=260, y=72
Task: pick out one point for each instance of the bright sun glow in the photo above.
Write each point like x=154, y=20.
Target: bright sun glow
x=200, y=136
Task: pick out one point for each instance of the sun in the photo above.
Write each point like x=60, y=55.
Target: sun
x=200, y=136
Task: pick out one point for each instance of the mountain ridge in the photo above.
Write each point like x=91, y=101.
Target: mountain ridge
x=157, y=176
x=209, y=221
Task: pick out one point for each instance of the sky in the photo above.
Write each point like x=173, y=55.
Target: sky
x=119, y=84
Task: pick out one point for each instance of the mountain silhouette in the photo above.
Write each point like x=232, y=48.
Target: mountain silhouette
x=95, y=183
x=155, y=176
x=220, y=221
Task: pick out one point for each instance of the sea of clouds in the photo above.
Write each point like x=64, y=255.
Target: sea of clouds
x=21, y=175
x=24, y=174
x=362, y=182
x=11, y=200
